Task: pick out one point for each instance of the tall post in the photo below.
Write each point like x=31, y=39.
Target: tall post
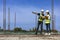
x=9, y=19
x=36, y=21
x=15, y=20
x=4, y=15
x=52, y=14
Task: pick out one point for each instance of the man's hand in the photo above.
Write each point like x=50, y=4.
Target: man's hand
x=46, y=17
x=43, y=17
x=34, y=12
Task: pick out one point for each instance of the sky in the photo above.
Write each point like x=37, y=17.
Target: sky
x=24, y=17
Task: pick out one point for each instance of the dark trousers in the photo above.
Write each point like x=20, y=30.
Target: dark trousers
x=48, y=30
x=40, y=24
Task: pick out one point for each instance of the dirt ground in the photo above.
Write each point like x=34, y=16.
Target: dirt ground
x=29, y=37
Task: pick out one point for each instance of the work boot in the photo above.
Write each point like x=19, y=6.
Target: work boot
x=46, y=33
x=49, y=33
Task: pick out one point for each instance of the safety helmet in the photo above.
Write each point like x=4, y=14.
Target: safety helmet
x=47, y=10
x=42, y=10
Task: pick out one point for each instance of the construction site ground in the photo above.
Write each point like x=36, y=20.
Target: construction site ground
x=28, y=37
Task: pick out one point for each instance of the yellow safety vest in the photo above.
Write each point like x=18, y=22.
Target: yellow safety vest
x=40, y=19
x=47, y=21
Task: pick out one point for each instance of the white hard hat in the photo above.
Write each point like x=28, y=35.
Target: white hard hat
x=42, y=10
x=47, y=10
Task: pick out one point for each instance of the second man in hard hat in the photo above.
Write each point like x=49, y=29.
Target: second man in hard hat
x=47, y=22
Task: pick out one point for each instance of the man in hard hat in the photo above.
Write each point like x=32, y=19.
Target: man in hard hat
x=47, y=22
x=40, y=20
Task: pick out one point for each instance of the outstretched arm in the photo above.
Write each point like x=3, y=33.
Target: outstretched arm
x=35, y=13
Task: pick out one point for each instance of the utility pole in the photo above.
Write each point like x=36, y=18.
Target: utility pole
x=9, y=19
x=4, y=15
x=36, y=21
x=15, y=20
x=53, y=15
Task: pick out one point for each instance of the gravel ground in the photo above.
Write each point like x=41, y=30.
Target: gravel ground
x=29, y=37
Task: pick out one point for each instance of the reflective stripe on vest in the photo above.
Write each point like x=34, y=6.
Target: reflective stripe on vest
x=47, y=21
x=39, y=19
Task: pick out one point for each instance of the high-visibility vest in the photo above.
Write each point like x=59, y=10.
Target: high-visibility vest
x=40, y=19
x=49, y=17
x=47, y=21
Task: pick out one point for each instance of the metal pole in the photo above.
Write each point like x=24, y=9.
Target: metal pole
x=52, y=14
x=15, y=21
x=9, y=19
x=36, y=23
x=4, y=15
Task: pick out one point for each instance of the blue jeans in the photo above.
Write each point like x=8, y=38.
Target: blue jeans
x=48, y=30
x=40, y=24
